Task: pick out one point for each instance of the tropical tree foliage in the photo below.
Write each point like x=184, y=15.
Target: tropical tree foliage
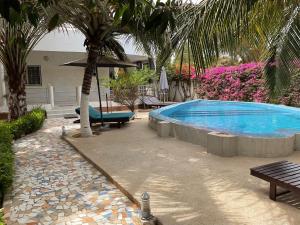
x=160, y=24
x=19, y=11
x=22, y=25
x=17, y=41
x=220, y=26
x=102, y=22
x=125, y=86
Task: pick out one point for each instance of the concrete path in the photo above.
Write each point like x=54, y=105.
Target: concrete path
x=56, y=185
x=187, y=185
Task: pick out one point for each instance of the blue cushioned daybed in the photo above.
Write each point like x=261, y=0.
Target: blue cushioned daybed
x=118, y=117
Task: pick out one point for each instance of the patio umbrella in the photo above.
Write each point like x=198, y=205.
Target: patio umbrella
x=103, y=61
x=163, y=82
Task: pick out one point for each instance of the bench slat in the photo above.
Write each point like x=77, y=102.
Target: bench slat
x=258, y=168
x=283, y=173
x=275, y=167
x=291, y=179
x=286, y=179
x=295, y=182
x=276, y=181
x=282, y=170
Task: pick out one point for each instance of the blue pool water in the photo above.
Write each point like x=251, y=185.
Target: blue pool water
x=250, y=119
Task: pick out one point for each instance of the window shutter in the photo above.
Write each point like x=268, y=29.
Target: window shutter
x=34, y=75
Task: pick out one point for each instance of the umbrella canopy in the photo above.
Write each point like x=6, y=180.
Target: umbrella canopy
x=103, y=61
x=163, y=81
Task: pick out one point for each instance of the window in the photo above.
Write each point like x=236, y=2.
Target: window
x=34, y=75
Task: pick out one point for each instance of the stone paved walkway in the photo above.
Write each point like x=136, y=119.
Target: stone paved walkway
x=55, y=185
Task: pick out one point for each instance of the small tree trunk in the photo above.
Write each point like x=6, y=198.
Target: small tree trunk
x=17, y=97
x=85, y=128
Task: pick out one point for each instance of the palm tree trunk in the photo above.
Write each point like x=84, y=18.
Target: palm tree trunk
x=85, y=129
x=17, y=97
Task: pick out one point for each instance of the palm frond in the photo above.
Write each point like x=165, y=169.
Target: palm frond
x=17, y=41
x=284, y=51
x=216, y=27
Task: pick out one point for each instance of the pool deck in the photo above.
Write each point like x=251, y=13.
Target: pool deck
x=187, y=185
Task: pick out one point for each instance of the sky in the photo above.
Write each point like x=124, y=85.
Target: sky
x=73, y=42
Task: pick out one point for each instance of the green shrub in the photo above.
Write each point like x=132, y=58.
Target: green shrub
x=29, y=123
x=1, y=218
x=6, y=159
x=125, y=86
x=6, y=167
x=5, y=133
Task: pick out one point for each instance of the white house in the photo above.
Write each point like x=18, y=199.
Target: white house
x=50, y=84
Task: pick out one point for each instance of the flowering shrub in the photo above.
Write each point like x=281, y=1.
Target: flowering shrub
x=233, y=83
x=243, y=82
x=186, y=73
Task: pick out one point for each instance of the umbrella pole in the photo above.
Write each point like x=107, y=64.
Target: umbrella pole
x=106, y=98
x=99, y=96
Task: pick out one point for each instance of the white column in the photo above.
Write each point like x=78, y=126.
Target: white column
x=78, y=94
x=51, y=95
x=3, y=88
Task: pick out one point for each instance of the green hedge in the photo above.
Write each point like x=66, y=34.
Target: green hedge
x=6, y=159
x=1, y=218
x=29, y=123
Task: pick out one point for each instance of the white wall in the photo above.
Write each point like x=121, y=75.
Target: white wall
x=55, y=49
x=64, y=79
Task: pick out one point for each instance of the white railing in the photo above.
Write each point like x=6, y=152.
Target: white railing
x=65, y=97
x=146, y=90
x=54, y=96
x=37, y=95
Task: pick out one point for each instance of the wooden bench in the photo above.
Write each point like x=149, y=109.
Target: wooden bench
x=283, y=174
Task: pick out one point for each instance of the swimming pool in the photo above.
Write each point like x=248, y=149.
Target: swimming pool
x=243, y=118
x=256, y=122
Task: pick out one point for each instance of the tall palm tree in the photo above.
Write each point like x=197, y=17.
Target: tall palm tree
x=101, y=22
x=17, y=41
x=217, y=26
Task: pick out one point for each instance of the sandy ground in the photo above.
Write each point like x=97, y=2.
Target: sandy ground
x=187, y=185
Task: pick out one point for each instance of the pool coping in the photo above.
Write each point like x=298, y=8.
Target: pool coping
x=224, y=143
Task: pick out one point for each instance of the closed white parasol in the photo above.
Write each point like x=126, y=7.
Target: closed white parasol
x=163, y=83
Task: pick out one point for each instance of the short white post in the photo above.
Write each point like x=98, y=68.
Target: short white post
x=51, y=95
x=147, y=217
x=78, y=94
x=63, y=131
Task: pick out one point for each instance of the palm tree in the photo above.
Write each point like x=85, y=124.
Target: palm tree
x=219, y=26
x=101, y=22
x=17, y=41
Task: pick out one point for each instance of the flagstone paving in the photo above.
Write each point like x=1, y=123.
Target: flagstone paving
x=55, y=185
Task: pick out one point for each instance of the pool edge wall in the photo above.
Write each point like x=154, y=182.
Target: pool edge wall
x=265, y=147
x=227, y=145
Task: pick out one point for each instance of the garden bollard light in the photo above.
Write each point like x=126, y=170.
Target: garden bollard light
x=146, y=211
x=63, y=131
